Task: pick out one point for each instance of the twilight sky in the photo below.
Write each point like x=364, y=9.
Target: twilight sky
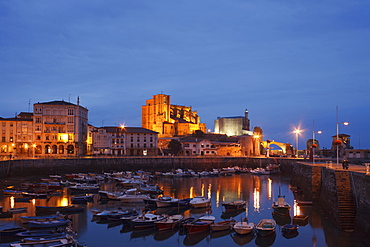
x=290, y=63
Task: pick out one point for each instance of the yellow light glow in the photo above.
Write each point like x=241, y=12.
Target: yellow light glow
x=256, y=136
x=26, y=146
x=269, y=188
x=12, y=202
x=203, y=190
x=191, y=192
x=345, y=123
x=63, y=137
x=296, y=209
x=209, y=194
x=34, y=145
x=64, y=202
x=256, y=200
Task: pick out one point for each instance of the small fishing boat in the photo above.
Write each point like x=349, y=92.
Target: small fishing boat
x=11, y=231
x=290, y=228
x=82, y=199
x=222, y=225
x=260, y=171
x=169, y=222
x=146, y=220
x=85, y=188
x=116, y=213
x=150, y=189
x=235, y=205
x=48, y=224
x=200, y=202
x=243, y=227
x=266, y=227
x=26, y=219
x=38, y=233
x=166, y=201
x=67, y=241
x=199, y=225
x=17, y=210
x=280, y=206
x=61, y=209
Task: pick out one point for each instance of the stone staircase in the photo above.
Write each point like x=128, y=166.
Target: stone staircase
x=346, y=201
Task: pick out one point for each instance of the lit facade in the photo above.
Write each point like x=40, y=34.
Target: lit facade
x=60, y=129
x=169, y=120
x=233, y=126
x=16, y=136
x=119, y=141
x=201, y=147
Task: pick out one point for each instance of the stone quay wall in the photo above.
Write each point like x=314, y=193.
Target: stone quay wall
x=45, y=167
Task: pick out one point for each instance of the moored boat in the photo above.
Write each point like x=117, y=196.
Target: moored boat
x=200, y=202
x=68, y=241
x=169, y=222
x=280, y=206
x=166, y=201
x=146, y=220
x=266, y=227
x=61, y=209
x=11, y=231
x=38, y=233
x=243, y=227
x=222, y=225
x=235, y=205
x=17, y=210
x=26, y=219
x=48, y=224
x=199, y=225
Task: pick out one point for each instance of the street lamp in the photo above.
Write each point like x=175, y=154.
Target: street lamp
x=337, y=136
x=296, y=132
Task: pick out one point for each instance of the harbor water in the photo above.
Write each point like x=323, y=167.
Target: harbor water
x=259, y=191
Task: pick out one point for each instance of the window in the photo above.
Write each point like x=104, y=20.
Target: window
x=70, y=112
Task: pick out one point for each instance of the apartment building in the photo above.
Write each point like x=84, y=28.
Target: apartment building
x=60, y=129
x=128, y=141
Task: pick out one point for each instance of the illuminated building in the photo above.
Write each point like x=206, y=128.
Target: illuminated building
x=60, y=129
x=16, y=136
x=233, y=126
x=169, y=120
x=198, y=147
x=119, y=141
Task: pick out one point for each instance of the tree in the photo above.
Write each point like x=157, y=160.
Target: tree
x=174, y=147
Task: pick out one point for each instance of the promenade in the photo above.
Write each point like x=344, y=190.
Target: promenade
x=352, y=167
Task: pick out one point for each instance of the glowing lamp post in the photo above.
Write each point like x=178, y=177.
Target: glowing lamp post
x=296, y=132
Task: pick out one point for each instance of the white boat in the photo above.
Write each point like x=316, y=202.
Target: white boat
x=280, y=206
x=223, y=225
x=260, y=171
x=243, y=227
x=133, y=196
x=114, y=195
x=52, y=242
x=200, y=202
x=266, y=227
x=166, y=201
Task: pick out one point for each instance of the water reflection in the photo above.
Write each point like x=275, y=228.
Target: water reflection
x=258, y=191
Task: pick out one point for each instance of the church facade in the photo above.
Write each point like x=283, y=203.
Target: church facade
x=159, y=115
